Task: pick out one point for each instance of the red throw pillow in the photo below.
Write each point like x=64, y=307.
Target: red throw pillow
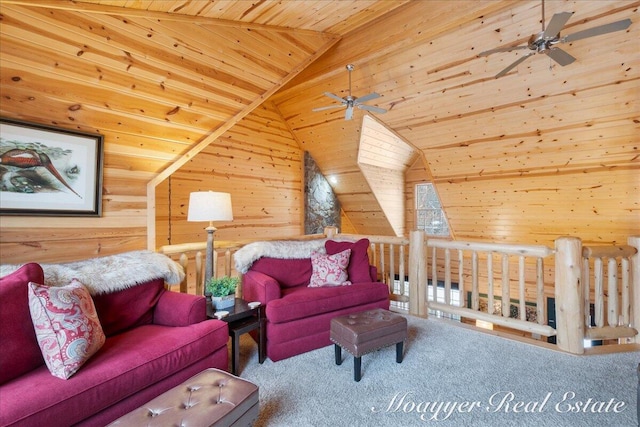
x=358, y=268
x=20, y=352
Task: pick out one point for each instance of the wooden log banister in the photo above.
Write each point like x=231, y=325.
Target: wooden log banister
x=607, y=277
x=614, y=305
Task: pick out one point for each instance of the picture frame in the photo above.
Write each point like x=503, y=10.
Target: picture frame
x=49, y=171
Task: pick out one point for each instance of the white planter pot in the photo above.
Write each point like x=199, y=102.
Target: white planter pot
x=223, y=302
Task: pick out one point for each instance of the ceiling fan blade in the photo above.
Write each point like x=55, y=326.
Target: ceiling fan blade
x=502, y=49
x=372, y=108
x=515, y=64
x=329, y=107
x=596, y=31
x=560, y=56
x=556, y=24
x=336, y=97
x=348, y=115
x=367, y=97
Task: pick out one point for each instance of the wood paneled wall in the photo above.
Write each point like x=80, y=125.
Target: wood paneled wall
x=260, y=164
x=159, y=87
x=526, y=158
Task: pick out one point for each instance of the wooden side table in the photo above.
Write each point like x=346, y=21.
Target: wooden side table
x=243, y=319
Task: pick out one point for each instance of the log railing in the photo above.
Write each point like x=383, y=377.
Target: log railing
x=612, y=304
x=387, y=253
x=513, y=274
x=191, y=257
x=472, y=263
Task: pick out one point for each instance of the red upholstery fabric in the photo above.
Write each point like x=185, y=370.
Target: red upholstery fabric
x=138, y=361
x=299, y=336
x=118, y=314
x=126, y=364
x=288, y=272
x=257, y=286
x=358, y=268
x=176, y=309
x=306, y=302
x=20, y=351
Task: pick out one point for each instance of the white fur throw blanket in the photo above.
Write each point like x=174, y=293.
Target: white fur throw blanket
x=110, y=273
x=286, y=249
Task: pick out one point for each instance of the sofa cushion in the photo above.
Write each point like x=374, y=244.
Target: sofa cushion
x=66, y=325
x=288, y=272
x=303, y=302
x=329, y=270
x=117, y=313
x=20, y=352
x=358, y=268
x=126, y=364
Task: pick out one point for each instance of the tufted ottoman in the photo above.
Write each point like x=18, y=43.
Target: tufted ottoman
x=210, y=398
x=361, y=333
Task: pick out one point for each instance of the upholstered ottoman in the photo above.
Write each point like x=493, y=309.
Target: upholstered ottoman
x=367, y=331
x=210, y=398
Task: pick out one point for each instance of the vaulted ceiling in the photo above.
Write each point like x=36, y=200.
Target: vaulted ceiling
x=544, y=151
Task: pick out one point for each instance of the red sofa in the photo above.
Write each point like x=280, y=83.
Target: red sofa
x=156, y=339
x=299, y=316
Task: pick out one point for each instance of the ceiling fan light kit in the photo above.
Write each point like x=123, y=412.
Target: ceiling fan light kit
x=350, y=101
x=545, y=41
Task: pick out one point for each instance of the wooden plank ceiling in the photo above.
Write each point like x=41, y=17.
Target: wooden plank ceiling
x=544, y=151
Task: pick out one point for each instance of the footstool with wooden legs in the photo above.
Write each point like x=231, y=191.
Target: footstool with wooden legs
x=365, y=332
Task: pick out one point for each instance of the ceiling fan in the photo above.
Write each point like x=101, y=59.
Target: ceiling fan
x=351, y=101
x=546, y=41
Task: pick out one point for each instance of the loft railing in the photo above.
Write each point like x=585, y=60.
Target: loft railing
x=467, y=261
x=613, y=308
x=431, y=259
x=387, y=254
x=499, y=279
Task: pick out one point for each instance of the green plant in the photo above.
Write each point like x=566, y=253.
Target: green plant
x=222, y=286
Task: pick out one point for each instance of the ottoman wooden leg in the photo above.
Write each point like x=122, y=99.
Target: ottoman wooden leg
x=338, y=351
x=357, y=365
x=399, y=347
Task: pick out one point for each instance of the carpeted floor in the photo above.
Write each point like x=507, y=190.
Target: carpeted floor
x=450, y=376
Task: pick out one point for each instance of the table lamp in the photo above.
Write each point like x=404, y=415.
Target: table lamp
x=209, y=206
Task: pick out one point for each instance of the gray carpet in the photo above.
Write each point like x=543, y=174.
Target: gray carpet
x=450, y=376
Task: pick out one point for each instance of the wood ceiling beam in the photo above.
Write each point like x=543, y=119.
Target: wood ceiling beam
x=87, y=7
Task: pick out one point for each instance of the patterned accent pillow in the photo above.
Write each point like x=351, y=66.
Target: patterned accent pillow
x=329, y=270
x=66, y=325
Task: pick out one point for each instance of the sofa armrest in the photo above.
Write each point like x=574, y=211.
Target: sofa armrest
x=177, y=309
x=257, y=286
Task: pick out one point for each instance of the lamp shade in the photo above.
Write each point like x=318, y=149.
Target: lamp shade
x=209, y=206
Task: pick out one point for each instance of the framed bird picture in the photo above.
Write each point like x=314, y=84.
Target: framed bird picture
x=47, y=171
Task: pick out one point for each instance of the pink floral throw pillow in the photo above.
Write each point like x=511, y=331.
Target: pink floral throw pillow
x=329, y=270
x=66, y=324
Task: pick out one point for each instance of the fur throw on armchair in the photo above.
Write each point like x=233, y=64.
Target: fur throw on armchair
x=285, y=249
x=110, y=273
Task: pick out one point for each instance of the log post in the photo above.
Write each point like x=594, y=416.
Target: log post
x=568, y=294
x=330, y=231
x=635, y=285
x=417, y=274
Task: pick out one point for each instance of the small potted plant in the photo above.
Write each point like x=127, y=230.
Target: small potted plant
x=222, y=291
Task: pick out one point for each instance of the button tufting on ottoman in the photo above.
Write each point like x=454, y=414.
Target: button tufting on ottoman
x=210, y=398
x=367, y=331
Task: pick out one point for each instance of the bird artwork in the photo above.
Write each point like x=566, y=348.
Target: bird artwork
x=28, y=160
